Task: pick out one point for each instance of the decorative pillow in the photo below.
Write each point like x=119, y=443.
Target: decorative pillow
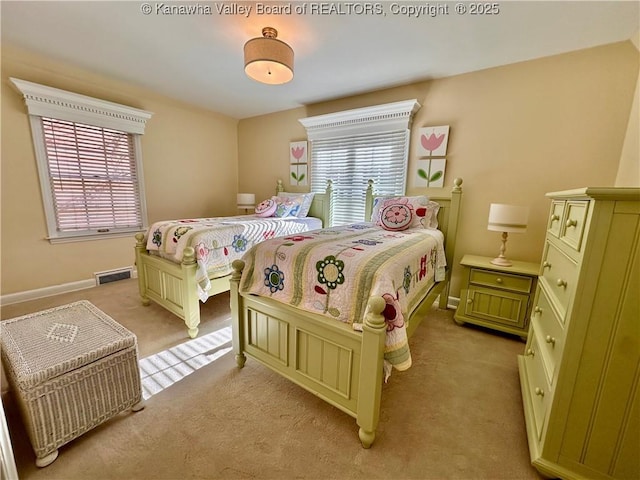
x=306, y=199
x=409, y=212
x=283, y=207
x=296, y=204
x=396, y=216
x=266, y=208
x=375, y=212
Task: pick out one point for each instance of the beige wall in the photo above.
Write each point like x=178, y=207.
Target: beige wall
x=629, y=169
x=189, y=163
x=517, y=132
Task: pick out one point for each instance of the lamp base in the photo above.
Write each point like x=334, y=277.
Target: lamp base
x=502, y=262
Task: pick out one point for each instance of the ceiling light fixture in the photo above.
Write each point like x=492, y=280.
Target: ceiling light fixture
x=267, y=59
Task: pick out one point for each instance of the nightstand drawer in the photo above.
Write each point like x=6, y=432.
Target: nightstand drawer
x=555, y=217
x=496, y=306
x=506, y=281
x=559, y=273
x=573, y=226
x=549, y=327
x=539, y=389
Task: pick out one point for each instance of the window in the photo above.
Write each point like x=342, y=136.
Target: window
x=350, y=148
x=93, y=177
x=89, y=163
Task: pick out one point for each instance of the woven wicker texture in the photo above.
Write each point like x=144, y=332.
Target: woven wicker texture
x=70, y=368
x=43, y=345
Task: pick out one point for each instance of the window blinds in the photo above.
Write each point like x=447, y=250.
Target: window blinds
x=93, y=177
x=353, y=160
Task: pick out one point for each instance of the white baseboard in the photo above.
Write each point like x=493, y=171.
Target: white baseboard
x=453, y=302
x=49, y=291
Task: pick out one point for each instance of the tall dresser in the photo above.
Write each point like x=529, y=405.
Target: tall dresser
x=580, y=370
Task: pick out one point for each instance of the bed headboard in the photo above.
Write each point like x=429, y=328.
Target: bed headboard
x=448, y=215
x=321, y=204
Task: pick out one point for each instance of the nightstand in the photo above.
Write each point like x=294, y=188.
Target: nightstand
x=497, y=297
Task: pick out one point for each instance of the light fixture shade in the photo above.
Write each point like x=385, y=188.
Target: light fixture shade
x=267, y=59
x=246, y=200
x=508, y=218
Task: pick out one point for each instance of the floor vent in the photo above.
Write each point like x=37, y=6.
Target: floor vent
x=113, y=275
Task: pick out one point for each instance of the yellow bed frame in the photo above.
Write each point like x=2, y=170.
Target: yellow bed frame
x=174, y=286
x=326, y=357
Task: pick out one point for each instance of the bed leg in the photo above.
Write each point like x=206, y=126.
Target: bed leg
x=190, y=299
x=237, y=313
x=142, y=279
x=371, y=371
x=366, y=438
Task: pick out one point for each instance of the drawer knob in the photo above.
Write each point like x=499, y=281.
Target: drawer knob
x=546, y=265
x=537, y=310
x=551, y=340
x=571, y=223
x=498, y=280
x=469, y=301
x=531, y=352
x=561, y=283
x=555, y=217
x=538, y=391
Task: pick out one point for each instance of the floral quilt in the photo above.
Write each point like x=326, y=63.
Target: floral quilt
x=219, y=241
x=334, y=271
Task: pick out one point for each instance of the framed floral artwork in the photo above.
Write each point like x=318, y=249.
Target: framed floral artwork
x=429, y=173
x=298, y=174
x=297, y=152
x=433, y=141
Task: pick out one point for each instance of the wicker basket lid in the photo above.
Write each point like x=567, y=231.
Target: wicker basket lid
x=43, y=345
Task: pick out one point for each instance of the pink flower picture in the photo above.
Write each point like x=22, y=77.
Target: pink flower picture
x=433, y=141
x=297, y=152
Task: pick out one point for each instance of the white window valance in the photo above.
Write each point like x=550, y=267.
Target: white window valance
x=361, y=121
x=44, y=101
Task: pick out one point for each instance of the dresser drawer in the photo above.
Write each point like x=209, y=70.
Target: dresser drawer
x=573, y=226
x=506, y=281
x=559, y=274
x=549, y=327
x=538, y=387
x=555, y=217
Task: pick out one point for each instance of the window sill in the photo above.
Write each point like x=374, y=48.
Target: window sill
x=91, y=237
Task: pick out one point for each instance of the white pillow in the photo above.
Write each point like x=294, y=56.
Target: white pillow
x=305, y=205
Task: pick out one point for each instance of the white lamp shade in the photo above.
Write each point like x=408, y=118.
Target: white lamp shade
x=246, y=200
x=508, y=218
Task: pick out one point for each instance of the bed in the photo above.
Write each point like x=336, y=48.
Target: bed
x=178, y=279
x=343, y=364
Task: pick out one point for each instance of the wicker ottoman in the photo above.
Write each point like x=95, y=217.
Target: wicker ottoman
x=70, y=368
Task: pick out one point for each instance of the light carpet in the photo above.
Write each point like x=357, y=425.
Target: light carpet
x=455, y=414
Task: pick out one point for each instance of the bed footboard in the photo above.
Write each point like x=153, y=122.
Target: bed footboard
x=171, y=285
x=328, y=358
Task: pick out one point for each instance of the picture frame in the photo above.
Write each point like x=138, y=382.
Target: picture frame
x=432, y=141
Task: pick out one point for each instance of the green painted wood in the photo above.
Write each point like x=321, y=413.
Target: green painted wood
x=496, y=297
x=174, y=286
x=329, y=358
x=239, y=318
x=591, y=426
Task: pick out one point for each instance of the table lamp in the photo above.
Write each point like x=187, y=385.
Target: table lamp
x=246, y=201
x=507, y=219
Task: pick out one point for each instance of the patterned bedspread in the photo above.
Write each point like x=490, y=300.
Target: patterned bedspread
x=219, y=241
x=334, y=271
